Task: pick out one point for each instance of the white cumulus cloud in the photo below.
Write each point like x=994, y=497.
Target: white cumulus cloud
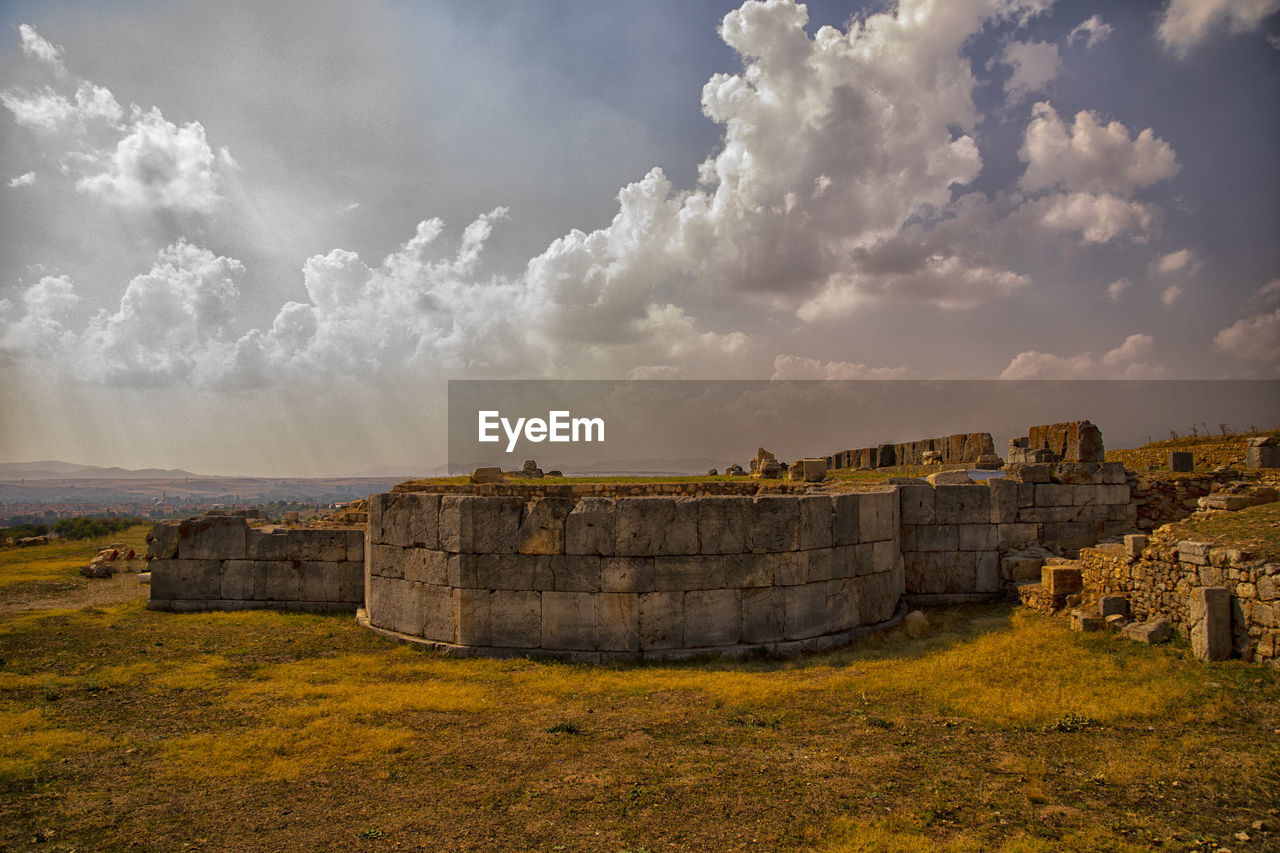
x=26, y=179
x=1183, y=261
x=1033, y=65
x=1187, y=23
x=1255, y=338
x=799, y=367
x=1123, y=362
x=1093, y=30
x=1117, y=288
x=1170, y=294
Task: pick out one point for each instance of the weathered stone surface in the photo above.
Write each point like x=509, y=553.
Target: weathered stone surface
x=683, y=573
x=487, y=474
x=515, y=618
x=949, y=478
x=804, y=610
x=423, y=565
x=1196, y=553
x=843, y=604
x=816, y=520
x=279, y=580
x=162, y=541
x=1181, y=460
x=395, y=604
x=1110, y=605
x=213, y=538
x=746, y=570
x=589, y=528
x=987, y=571
x=916, y=504
x=844, y=523
x=976, y=537
x=1112, y=474
x=724, y=525
x=512, y=571
x=877, y=596
x=916, y=624
x=463, y=571
x=792, y=567
x=878, y=516
x=627, y=574
x=409, y=519
x=712, y=617
x=435, y=612
x=323, y=545
x=1061, y=580
x=763, y=619
x=1009, y=536
x=1133, y=544
x=569, y=621
x=351, y=582
x=576, y=574
x=654, y=526
x=1258, y=456
x=662, y=620
x=925, y=572
x=1153, y=632
x=1004, y=500
x=1023, y=473
x=273, y=545
x=1211, y=623
x=319, y=581
x=477, y=524
x=542, y=529
x=471, y=617
x=776, y=524
x=618, y=621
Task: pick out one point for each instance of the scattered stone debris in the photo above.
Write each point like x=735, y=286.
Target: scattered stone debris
x=713, y=472
x=104, y=564
x=530, y=471
x=487, y=475
x=765, y=466
x=735, y=470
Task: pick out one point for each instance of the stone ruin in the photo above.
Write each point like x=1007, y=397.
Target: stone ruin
x=971, y=448
x=1075, y=442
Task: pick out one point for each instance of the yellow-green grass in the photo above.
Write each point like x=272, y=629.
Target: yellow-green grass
x=999, y=730
x=56, y=566
x=1255, y=530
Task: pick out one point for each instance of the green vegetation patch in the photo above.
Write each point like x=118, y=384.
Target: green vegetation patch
x=1255, y=530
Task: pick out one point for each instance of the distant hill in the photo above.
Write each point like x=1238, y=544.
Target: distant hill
x=53, y=469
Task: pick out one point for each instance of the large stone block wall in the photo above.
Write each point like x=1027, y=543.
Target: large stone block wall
x=953, y=536
x=1160, y=580
x=952, y=449
x=220, y=563
x=622, y=577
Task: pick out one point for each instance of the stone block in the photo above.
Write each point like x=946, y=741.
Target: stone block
x=804, y=610
x=763, y=619
x=877, y=597
x=351, y=582
x=1068, y=536
x=821, y=565
x=405, y=519
x=355, y=545
x=213, y=538
x=884, y=556
x=844, y=523
x=1003, y=497
x=949, y=478
x=1020, y=535
x=542, y=528
x=653, y=526
x=1151, y=633
x=962, y=572
x=239, y=580
x=1111, y=605
x=1268, y=587
x=463, y=571
x=987, y=571
x=516, y=572
x=589, y=528
x=435, y=613
x=471, y=617
x=394, y=604
x=1112, y=474
x=515, y=618
x=684, y=573
x=1181, y=460
x=937, y=537
x=576, y=573
x=1054, y=494
x=1024, y=473
x=878, y=515
x=916, y=504
x=1261, y=456
x=479, y=524
x=925, y=571
x=424, y=565
x=1081, y=621
x=274, y=545
x=843, y=600
x=661, y=620
x=1210, y=620
x=712, y=617
x=1133, y=545
x=776, y=524
x=1195, y=553
x=976, y=537
x=816, y=521
x=748, y=570
x=618, y=623
x=724, y=525
x=162, y=541
x=569, y=621
x=790, y=567
x=279, y=580
x=1061, y=580
x=627, y=574
x=321, y=544
x=319, y=581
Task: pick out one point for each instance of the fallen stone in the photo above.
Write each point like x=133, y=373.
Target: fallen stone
x=1211, y=623
x=1023, y=473
x=1151, y=633
x=1082, y=621
x=915, y=623
x=487, y=475
x=1116, y=622
x=949, y=478
x=1113, y=605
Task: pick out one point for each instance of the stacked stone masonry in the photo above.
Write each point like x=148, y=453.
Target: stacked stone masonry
x=1164, y=579
x=603, y=578
x=219, y=563
x=961, y=448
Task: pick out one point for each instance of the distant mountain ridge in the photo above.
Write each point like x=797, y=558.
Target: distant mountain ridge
x=53, y=469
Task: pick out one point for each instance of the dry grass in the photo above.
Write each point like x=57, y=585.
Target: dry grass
x=55, y=567
x=125, y=728
x=1255, y=530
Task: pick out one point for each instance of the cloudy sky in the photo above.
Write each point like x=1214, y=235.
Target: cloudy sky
x=258, y=238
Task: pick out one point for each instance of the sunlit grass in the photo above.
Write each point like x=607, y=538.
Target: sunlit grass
x=29, y=739
x=58, y=564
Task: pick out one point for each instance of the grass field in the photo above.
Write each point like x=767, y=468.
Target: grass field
x=126, y=729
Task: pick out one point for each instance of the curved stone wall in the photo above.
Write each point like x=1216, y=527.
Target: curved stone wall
x=632, y=577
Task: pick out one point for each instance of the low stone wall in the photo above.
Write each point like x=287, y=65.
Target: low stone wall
x=951, y=449
x=1160, y=580
x=532, y=489
x=619, y=577
x=953, y=535
x=220, y=563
